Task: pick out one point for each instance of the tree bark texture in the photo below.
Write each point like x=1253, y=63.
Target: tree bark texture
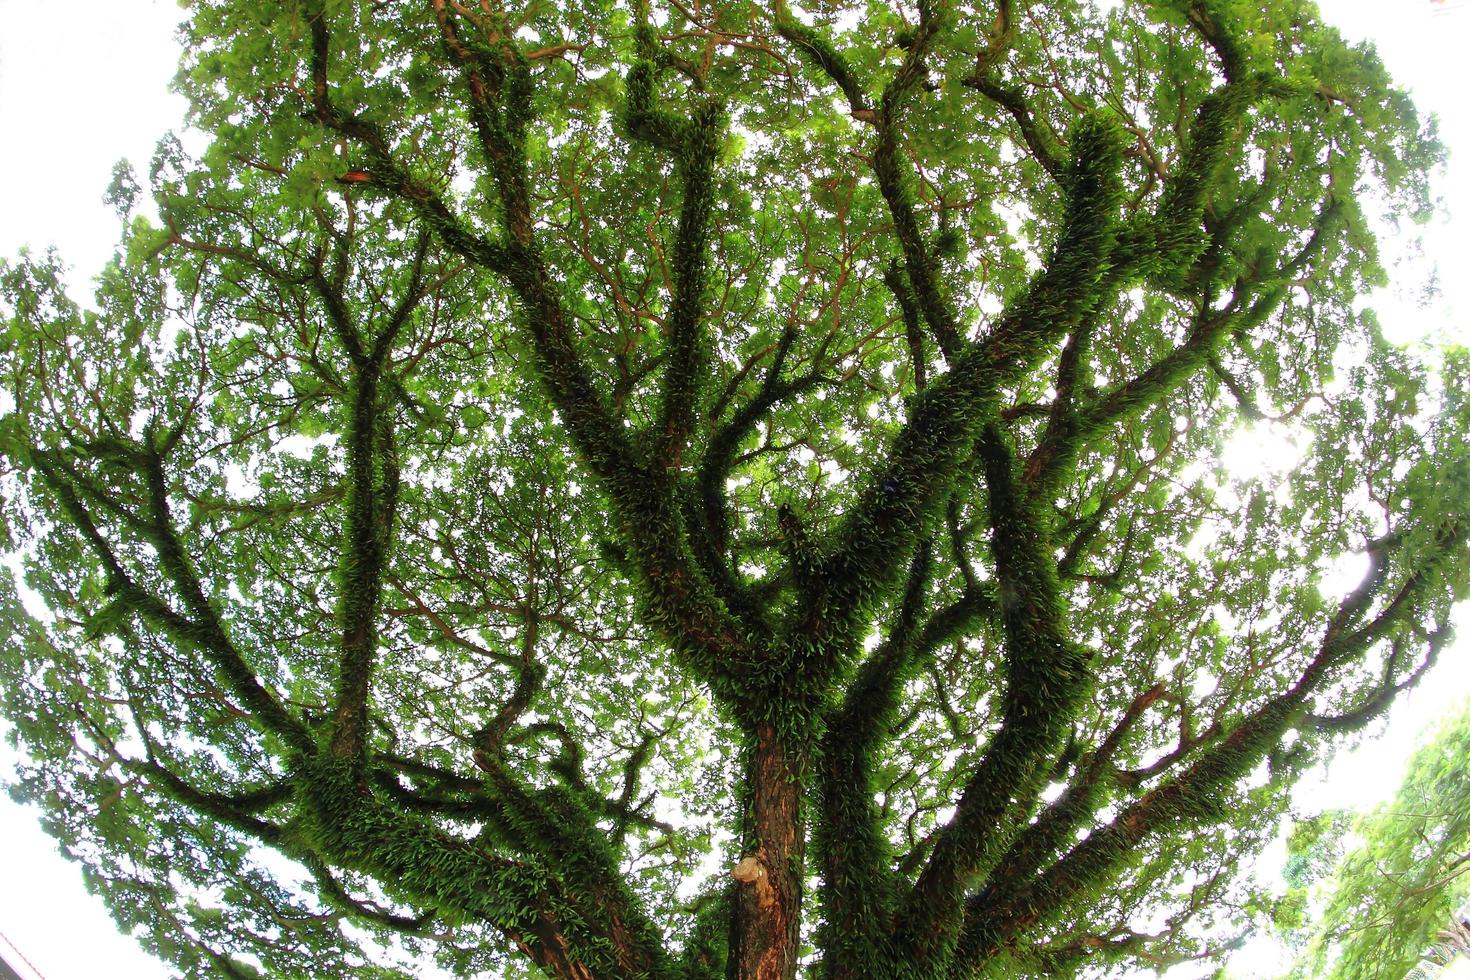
x=766, y=928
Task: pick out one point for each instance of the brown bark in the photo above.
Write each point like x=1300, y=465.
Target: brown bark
x=548, y=948
x=766, y=936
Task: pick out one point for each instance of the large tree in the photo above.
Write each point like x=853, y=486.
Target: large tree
x=710, y=490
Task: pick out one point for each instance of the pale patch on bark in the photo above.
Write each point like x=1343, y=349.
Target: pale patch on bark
x=752, y=871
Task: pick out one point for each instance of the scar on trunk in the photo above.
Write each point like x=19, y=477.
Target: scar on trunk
x=752, y=871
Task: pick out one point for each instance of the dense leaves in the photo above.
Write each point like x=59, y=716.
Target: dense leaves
x=1396, y=900
x=708, y=490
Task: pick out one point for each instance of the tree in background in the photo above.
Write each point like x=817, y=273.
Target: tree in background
x=1395, y=902
x=722, y=490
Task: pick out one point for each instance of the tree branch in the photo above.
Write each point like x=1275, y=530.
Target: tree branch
x=1047, y=679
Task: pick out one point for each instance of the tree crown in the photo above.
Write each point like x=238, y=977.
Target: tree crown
x=542, y=457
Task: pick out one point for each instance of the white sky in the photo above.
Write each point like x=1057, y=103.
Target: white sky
x=85, y=82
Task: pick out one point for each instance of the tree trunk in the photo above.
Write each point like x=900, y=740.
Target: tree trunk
x=767, y=922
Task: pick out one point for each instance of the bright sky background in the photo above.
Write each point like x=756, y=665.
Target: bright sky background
x=85, y=83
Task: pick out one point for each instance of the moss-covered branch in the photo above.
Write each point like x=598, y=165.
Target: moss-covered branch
x=707, y=509
x=1196, y=796
x=371, y=484
x=681, y=603
x=201, y=628
x=1047, y=682
x=1036, y=133
x=337, y=896
x=686, y=367
x=1071, y=428
x=1392, y=684
x=913, y=332
x=234, y=810
x=858, y=889
x=694, y=140
x=889, y=165
x=907, y=492
x=420, y=864
x=558, y=832
x=384, y=169
x=1053, y=829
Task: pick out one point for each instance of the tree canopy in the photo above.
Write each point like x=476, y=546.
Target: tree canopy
x=1394, y=904
x=700, y=490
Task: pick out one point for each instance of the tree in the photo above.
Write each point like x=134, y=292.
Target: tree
x=698, y=490
x=1395, y=899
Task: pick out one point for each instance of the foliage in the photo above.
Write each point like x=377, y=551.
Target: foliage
x=1314, y=848
x=539, y=459
x=1395, y=899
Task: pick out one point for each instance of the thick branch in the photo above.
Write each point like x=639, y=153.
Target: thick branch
x=420, y=864
x=371, y=507
x=906, y=494
x=686, y=366
x=857, y=882
x=1047, y=678
x=560, y=834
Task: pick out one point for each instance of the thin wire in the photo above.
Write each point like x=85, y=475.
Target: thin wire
x=31, y=966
